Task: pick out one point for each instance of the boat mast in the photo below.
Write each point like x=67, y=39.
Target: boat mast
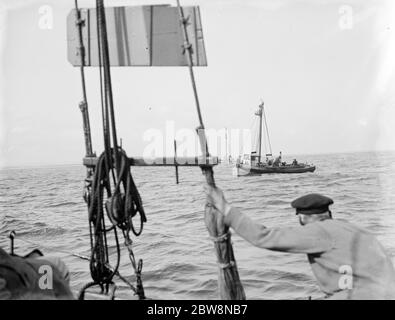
x=267, y=130
x=259, y=113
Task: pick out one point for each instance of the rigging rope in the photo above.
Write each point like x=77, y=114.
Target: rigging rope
x=105, y=65
x=111, y=187
x=120, y=208
x=267, y=130
x=99, y=256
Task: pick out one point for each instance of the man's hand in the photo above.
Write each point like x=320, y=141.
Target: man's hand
x=216, y=198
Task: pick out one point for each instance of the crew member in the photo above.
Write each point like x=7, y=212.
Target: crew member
x=278, y=160
x=347, y=261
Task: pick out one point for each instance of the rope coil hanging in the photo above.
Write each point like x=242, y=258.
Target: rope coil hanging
x=112, y=191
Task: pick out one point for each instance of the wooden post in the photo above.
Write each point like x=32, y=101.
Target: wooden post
x=12, y=237
x=260, y=132
x=175, y=160
x=230, y=287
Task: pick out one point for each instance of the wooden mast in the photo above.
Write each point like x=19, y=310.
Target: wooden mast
x=259, y=113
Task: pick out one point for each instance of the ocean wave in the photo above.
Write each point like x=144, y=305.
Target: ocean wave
x=63, y=204
x=43, y=232
x=45, y=205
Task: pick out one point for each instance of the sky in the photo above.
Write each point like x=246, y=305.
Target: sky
x=324, y=68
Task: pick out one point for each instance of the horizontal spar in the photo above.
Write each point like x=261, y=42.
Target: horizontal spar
x=161, y=162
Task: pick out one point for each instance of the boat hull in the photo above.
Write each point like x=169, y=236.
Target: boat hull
x=281, y=169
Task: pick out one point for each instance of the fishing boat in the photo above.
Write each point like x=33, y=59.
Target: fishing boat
x=255, y=164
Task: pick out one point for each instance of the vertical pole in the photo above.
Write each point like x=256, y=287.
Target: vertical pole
x=175, y=160
x=84, y=104
x=207, y=169
x=12, y=237
x=87, y=133
x=260, y=131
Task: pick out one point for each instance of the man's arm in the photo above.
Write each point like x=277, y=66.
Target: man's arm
x=301, y=239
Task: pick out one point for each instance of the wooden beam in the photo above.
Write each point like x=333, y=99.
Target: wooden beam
x=161, y=162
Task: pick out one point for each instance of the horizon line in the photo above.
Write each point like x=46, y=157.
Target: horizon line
x=35, y=165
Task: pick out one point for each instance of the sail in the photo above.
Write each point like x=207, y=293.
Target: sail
x=139, y=36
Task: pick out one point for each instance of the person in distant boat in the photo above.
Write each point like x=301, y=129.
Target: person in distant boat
x=347, y=261
x=278, y=160
x=295, y=162
x=33, y=277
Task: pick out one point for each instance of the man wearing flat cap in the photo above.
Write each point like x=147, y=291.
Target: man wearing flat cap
x=347, y=261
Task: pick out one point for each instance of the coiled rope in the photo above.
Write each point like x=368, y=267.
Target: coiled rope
x=111, y=186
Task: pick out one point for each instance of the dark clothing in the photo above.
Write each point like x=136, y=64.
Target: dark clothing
x=313, y=203
x=20, y=277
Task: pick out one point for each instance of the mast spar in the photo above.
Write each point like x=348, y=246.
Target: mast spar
x=259, y=114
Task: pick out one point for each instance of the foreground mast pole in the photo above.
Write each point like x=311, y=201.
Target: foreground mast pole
x=84, y=103
x=230, y=287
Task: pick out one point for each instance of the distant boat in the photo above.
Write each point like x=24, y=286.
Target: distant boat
x=253, y=163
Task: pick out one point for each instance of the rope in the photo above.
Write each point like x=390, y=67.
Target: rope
x=137, y=268
x=111, y=294
x=267, y=130
x=99, y=260
x=51, y=249
x=103, y=96
x=81, y=294
x=108, y=101
x=230, y=264
x=222, y=238
x=124, y=202
x=99, y=255
x=123, y=207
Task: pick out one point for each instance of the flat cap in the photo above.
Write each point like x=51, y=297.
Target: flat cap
x=313, y=203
